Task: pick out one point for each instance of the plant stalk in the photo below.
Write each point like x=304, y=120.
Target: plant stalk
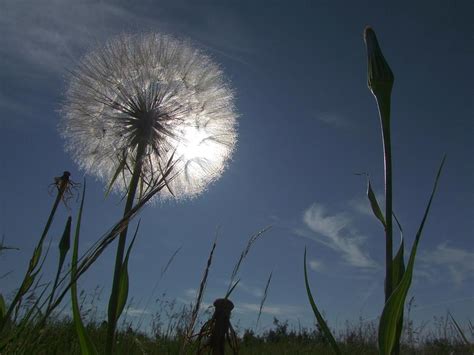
x=29, y=275
x=383, y=102
x=113, y=301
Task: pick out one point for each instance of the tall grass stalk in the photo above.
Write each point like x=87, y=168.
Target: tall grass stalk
x=197, y=304
x=264, y=298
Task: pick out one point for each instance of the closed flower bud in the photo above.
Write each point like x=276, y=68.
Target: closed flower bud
x=379, y=77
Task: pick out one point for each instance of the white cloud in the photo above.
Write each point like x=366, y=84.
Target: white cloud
x=316, y=265
x=190, y=293
x=251, y=290
x=48, y=35
x=337, y=232
x=273, y=310
x=458, y=262
x=334, y=120
x=361, y=205
x=136, y=312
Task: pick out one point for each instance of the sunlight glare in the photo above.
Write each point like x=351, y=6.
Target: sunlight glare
x=196, y=145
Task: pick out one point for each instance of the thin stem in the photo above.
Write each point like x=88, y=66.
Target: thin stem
x=35, y=258
x=113, y=301
x=383, y=102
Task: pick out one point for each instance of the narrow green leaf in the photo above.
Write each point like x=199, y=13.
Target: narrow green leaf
x=374, y=204
x=87, y=347
x=64, y=246
x=65, y=243
x=35, y=257
x=232, y=289
x=124, y=280
x=319, y=317
x=398, y=264
x=393, y=308
x=25, y=286
x=3, y=308
x=460, y=332
x=116, y=174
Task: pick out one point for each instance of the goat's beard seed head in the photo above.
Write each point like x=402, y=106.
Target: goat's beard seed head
x=158, y=91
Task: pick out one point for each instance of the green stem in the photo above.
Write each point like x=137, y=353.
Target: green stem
x=383, y=101
x=113, y=301
x=35, y=258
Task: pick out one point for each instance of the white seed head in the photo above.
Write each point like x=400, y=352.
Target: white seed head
x=157, y=91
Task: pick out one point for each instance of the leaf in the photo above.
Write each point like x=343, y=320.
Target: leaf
x=232, y=289
x=36, y=257
x=374, y=204
x=398, y=263
x=398, y=270
x=65, y=243
x=116, y=174
x=393, y=309
x=3, y=308
x=25, y=286
x=87, y=347
x=124, y=280
x=319, y=317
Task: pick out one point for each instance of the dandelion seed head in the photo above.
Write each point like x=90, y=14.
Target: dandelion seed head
x=158, y=92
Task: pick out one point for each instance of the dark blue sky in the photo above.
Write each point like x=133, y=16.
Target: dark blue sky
x=307, y=123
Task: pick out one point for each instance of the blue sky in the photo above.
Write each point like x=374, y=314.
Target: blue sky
x=307, y=123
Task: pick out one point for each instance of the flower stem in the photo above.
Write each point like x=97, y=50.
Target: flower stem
x=113, y=301
x=35, y=259
x=383, y=101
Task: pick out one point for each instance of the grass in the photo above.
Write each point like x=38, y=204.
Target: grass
x=167, y=335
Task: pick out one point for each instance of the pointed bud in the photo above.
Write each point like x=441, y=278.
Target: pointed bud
x=65, y=242
x=379, y=77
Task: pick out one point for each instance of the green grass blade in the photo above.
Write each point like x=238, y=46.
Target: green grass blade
x=36, y=257
x=87, y=347
x=264, y=298
x=398, y=264
x=319, y=317
x=124, y=279
x=394, y=306
x=3, y=308
x=374, y=204
x=116, y=174
x=460, y=332
x=64, y=245
x=232, y=289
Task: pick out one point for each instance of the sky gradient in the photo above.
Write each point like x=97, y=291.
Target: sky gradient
x=307, y=124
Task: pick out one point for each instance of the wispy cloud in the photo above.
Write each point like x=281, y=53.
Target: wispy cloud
x=51, y=36
x=190, y=293
x=289, y=311
x=136, y=312
x=337, y=232
x=316, y=265
x=335, y=120
x=48, y=38
x=251, y=290
x=458, y=262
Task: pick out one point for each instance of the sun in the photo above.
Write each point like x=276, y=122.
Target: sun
x=196, y=144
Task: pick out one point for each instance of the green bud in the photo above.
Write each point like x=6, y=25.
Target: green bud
x=379, y=77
